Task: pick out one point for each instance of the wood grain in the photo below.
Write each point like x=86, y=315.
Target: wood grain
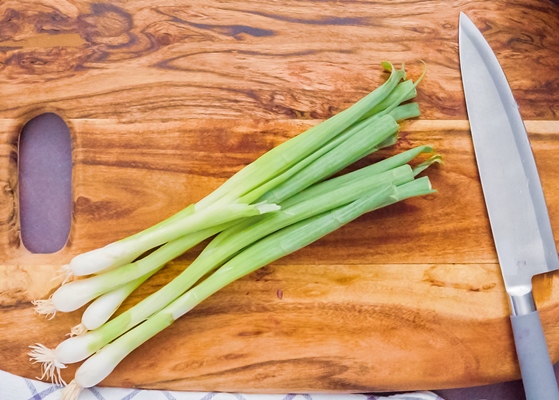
x=165, y=102
x=245, y=59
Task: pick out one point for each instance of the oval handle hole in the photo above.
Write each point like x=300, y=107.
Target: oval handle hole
x=45, y=183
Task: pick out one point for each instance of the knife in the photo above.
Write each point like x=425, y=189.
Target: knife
x=514, y=199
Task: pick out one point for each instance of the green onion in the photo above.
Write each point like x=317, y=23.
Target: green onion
x=272, y=247
x=104, y=306
x=284, y=200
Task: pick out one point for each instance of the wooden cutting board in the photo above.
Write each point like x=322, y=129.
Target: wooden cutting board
x=165, y=100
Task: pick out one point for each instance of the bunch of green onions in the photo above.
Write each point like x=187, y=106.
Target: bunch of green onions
x=281, y=202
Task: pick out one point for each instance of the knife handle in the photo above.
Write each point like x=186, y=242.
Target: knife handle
x=536, y=368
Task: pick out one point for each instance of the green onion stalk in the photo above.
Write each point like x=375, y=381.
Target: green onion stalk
x=318, y=199
x=259, y=253
x=288, y=191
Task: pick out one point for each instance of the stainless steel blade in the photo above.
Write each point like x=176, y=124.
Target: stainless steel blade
x=511, y=185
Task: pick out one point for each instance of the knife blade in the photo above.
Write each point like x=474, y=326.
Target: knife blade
x=514, y=200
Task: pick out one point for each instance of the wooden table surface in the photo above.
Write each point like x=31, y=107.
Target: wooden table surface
x=164, y=102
